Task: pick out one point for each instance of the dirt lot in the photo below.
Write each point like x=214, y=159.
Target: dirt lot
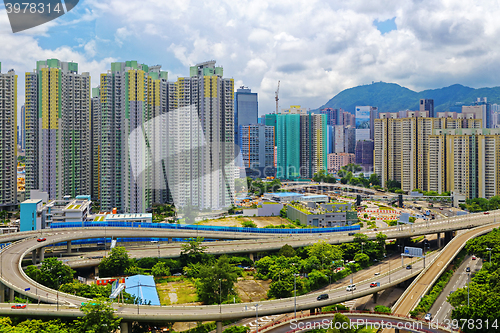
x=236, y=221
x=251, y=290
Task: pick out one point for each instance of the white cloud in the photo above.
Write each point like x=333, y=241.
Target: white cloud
x=316, y=48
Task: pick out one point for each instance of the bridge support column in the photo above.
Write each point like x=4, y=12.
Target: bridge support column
x=42, y=253
x=125, y=327
x=312, y=311
x=11, y=295
x=2, y=293
x=448, y=235
x=439, y=239
x=375, y=297
x=33, y=257
x=396, y=330
x=96, y=271
x=250, y=255
x=68, y=247
x=170, y=240
x=219, y=326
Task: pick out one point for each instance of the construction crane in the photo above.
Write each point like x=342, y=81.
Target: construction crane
x=277, y=99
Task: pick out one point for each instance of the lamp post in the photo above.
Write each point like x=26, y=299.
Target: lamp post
x=489, y=249
x=468, y=289
x=295, y=294
x=158, y=250
x=257, y=318
x=220, y=296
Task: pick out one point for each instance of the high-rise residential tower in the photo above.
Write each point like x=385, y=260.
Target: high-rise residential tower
x=57, y=110
x=428, y=105
x=246, y=108
x=131, y=96
x=95, y=144
x=22, y=130
x=257, y=149
x=288, y=145
x=313, y=144
x=8, y=138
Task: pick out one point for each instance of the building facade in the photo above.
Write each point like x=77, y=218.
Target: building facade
x=246, y=109
x=338, y=160
x=57, y=110
x=8, y=138
x=257, y=149
x=313, y=144
x=402, y=145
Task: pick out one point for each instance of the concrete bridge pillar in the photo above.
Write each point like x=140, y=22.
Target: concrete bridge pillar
x=33, y=257
x=250, y=255
x=96, y=270
x=375, y=297
x=42, y=253
x=448, y=235
x=170, y=240
x=439, y=239
x=312, y=311
x=2, y=293
x=11, y=295
x=219, y=326
x=125, y=327
x=68, y=247
x=396, y=330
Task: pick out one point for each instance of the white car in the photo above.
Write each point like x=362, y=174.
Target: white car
x=350, y=287
x=428, y=317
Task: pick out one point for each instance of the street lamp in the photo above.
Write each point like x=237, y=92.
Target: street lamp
x=257, y=317
x=489, y=249
x=220, y=296
x=468, y=288
x=158, y=250
x=295, y=294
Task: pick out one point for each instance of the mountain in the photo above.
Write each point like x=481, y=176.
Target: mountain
x=391, y=97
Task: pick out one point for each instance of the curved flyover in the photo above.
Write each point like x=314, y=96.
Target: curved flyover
x=12, y=275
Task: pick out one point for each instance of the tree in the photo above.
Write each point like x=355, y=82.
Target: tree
x=381, y=238
x=237, y=329
x=325, y=252
x=217, y=282
x=287, y=251
x=193, y=251
x=3, y=216
x=374, y=179
x=281, y=288
x=99, y=318
x=116, y=263
x=323, y=176
x=190, y=212
x=52, y=274
x=160, y=269
x=382, y=309
x=362, y=259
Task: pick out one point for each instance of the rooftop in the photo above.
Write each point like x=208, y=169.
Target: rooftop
x=285, y=194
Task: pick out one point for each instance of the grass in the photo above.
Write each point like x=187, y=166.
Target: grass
x=184, y=288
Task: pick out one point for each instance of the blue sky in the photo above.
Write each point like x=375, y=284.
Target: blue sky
x=315, y=48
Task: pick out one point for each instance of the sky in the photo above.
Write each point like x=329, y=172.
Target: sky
x=314, y=48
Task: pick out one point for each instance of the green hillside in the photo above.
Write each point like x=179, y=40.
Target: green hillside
x=391, y=97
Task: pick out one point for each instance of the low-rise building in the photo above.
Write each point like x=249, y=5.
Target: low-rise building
x=283, y=196
x=338, y=160
x=322, y=215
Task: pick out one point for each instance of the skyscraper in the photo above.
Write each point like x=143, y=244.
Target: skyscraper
x=22, y=130
x=246, y=109
x=8, y=139
x=331, y=115
x=364, y=117
x=401, y=146
x=201, y=134
x=57, y=109
x=131, y=96
x=257, y=148
x=95, y=144
x=428, y=105
x=313, y=144
x=288, y=145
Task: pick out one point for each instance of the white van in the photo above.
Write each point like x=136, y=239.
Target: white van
x=350, y=287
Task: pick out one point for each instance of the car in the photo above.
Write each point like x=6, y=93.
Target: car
x=322, y=297
x=375, y=260
x=350, y=287
x=473, y=257
x=408, y=267
x=428, y=317
x=440, y=208
x=177, y=274
x=467, y=269
x=375, y=229
x=377, y=274
x=486, y=213
x=18, y=306
x=373, y=284
x=41, y=239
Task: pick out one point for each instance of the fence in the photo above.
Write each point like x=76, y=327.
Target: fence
x=57, y=225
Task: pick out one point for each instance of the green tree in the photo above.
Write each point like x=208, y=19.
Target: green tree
x=362, y=259
x=381, y=239
x=217, y=282
x=52, y=273
x=3, y=216
x=117, y=263
x=382, y=309
x=282, y=288
x=326, y=253
x=193, y=251
x=236, y=329
x=287, y=251
x=374, y=179
x=99, y=318
x=160, y=269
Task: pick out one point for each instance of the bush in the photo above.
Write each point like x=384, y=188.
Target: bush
x=248, y=224
x=382, y=309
